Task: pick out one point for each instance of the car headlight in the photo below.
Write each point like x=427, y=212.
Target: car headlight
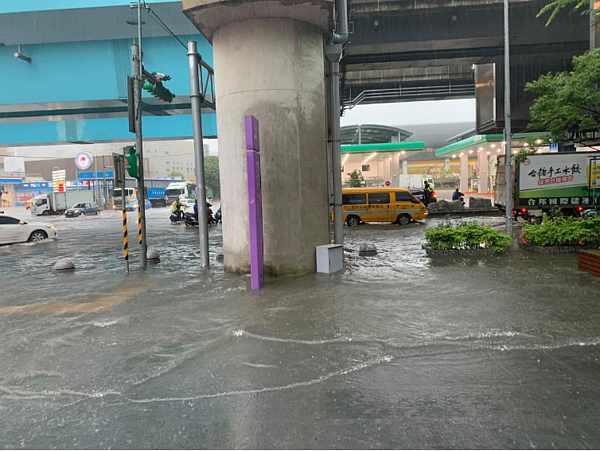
x=76, y=211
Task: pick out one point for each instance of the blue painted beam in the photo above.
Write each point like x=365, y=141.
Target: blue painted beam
x=96, y=70
x=102, y=130
x=47, y=5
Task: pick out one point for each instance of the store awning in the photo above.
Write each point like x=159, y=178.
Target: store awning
x=384, y=147
x=478, y=140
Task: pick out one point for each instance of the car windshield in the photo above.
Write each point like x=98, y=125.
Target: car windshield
x=80, y=205
x=174, y=191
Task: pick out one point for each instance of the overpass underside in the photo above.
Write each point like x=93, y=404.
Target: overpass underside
x=423, y=50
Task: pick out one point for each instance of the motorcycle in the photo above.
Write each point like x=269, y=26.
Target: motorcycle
x=219, y=216
x=177, y=216
x=191, y=220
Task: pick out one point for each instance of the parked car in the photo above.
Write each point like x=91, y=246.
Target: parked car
x=420, y=194
x=13, y=230
x=133, y=205
x=83, y=208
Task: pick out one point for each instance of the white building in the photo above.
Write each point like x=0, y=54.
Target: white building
x=163, y=157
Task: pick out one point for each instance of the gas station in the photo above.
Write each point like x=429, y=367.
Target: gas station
x=483, y=149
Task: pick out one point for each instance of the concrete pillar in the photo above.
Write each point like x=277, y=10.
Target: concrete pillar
x=380, y=169
x=395, y=167
x=405, y=167
x=482, y=161
x=446, y=164
x=387, y=168
x=273, y=68
x=464, y=172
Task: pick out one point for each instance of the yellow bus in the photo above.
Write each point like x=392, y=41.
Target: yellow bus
x=396, y=205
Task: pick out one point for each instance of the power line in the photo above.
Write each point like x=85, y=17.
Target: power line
x=150, y=10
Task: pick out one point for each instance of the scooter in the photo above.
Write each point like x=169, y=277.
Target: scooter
x=175, y=218
x=191, y=220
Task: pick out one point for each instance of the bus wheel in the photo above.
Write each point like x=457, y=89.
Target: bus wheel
x=403, y=219
x=353, y=221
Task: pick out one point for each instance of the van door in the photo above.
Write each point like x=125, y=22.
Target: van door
x=355, y=204
x=405, y=203
x=379, y=207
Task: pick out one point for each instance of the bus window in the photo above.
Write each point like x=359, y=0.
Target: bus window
x=354, y=199
x=379, y=198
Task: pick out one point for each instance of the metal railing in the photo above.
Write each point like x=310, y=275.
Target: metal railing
x=410, y=92
x=207, y=85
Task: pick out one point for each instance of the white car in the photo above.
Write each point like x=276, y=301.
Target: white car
x=13, y=230
x=188, y=202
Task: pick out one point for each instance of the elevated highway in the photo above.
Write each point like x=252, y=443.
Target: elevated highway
x=409, y=50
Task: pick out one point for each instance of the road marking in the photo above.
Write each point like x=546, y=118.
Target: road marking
x=103, y=302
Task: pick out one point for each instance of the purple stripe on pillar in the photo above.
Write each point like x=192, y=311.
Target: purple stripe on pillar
x=257, y=271
x=252, y=141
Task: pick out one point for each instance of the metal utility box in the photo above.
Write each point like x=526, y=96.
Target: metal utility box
x=330, y=258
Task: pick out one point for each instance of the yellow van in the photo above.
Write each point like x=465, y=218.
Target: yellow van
x=381, y=205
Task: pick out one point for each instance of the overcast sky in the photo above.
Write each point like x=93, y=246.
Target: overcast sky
x=403, y=114
x=409, y=113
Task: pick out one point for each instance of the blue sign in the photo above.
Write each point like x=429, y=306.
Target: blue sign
x=10, y=180
x=33, y=186
x=96, y=175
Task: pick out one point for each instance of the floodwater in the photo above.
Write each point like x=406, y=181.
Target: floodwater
x=396, y=351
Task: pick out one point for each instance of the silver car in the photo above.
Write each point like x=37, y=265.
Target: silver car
x=82, y=208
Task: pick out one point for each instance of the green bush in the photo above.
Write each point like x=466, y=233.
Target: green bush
x=561, y=231
x=466, y=235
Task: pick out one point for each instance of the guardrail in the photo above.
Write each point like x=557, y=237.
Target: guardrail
x=412, y=92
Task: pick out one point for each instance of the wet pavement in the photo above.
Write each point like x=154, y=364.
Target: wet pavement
x=397, y=351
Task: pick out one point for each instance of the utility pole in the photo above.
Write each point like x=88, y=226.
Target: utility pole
x=96, y=191
x=196, y=101
x=105, y=194
x=138, y=79
x=507, y=127
x=333, y=52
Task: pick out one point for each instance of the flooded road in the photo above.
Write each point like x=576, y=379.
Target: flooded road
x=397, y=351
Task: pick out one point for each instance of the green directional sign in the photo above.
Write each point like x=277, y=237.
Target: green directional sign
x=132, y=159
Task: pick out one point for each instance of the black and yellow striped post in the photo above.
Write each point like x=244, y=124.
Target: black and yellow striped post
x=125, y=244
x=140, y=224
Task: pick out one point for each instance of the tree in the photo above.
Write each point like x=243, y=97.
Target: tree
x=568, y=103
x=176, y=174
x=556, y=6
x=356, y=179
x=211, y=174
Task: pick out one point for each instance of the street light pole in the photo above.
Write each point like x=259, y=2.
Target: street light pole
x=507, y=127
x=196, y=101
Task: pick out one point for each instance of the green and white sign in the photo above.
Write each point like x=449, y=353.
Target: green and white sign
x=569, y=179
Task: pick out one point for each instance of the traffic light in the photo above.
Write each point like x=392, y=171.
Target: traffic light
x=117, y=169
x=159, y=91
x=132, y=159
x=149, y=87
